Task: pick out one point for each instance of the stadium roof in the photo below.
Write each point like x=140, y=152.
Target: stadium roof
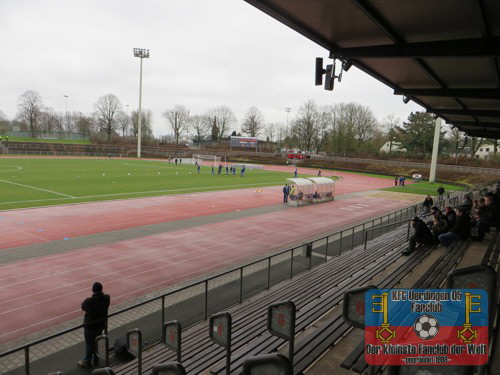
x=443, y=55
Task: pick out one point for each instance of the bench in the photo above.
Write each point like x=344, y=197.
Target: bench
x=434, y=277
x=307, y=315
x=310, y=347
x=306, y=290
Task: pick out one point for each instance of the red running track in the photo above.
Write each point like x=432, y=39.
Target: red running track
x=45, y=224
x=42, y=292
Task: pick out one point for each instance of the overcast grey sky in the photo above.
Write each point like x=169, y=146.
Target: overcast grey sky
x=204, y=53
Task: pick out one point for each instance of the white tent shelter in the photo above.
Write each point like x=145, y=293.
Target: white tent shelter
x=323, y=186
x=310, y=190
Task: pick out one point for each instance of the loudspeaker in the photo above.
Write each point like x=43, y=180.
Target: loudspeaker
x=329, y=77
x=318, y=73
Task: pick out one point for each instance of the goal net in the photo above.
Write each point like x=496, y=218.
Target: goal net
x=212, y=159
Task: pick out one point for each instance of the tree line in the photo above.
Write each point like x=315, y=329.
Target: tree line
x=342, y=129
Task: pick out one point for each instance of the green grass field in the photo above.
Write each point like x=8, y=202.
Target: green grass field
x=30, y=182
x=423, y=188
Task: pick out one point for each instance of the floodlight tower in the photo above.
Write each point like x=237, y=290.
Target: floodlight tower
x=142, y=54
x=67, y=122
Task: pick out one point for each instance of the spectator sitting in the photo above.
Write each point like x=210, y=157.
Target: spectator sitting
x=490, y=217
x=450, y=217
x=435, y=211
x=438, y=226
x=427, y=204
x=467, y=203
x=460, y=230
x=293, y=193
x=478, y=209
x=316, y=195
x=422, y=235
x=300, y=195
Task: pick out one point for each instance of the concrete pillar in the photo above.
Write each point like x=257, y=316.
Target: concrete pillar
x=435, y=150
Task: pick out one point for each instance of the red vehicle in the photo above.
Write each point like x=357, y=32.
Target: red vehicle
x=298, y=156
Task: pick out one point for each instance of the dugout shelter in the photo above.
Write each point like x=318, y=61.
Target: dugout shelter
x=310, y=190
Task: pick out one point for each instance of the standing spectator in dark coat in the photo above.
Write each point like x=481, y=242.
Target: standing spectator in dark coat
x=422, y=235
x=94, y=322
x=286, y=192
x=396, y=179
x=459, y=232
x=440, y=192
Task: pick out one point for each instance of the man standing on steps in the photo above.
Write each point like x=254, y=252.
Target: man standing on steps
x=95, y=321
x=440, y=192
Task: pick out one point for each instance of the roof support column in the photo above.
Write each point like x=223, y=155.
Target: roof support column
x=435, y=150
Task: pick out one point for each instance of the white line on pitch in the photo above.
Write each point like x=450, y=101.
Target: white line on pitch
x=32, y=187
x=269, y=184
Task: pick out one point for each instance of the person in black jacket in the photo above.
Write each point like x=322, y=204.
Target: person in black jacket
x=460, y=231
x=489, y=217
x=427, y=204
x=422, y=235
x=94, y=322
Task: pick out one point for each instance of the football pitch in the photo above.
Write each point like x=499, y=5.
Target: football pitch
x=30, y=182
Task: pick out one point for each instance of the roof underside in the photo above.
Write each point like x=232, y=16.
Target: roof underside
x=441, y=54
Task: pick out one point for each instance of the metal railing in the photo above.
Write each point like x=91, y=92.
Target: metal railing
x=205, y=297
x=393, y=226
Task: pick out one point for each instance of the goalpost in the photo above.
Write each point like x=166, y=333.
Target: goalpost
x=210, y=158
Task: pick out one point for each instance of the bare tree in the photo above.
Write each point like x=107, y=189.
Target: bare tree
x=124, y=123
x=84, y=124
x=475, y=143
x=107, y=110
x=305, y=125
x=50, y=121
x=30, y=110
x=390, y=123
x=199, y=127
x=225, y=120
x=146, y=123
x=177, y=118
x=271, y=131
x=253, y=122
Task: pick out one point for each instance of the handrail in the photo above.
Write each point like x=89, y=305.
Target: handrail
x=384, y=226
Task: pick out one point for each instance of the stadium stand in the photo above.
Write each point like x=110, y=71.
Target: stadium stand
x=315, y=293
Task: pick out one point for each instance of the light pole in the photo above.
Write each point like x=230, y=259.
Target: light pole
x=128, y=121
x=66, y=96
x=142, y=54
x=287, y=110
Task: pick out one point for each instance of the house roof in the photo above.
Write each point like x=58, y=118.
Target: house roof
x=441, y=54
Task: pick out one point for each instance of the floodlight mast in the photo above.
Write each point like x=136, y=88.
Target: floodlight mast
x=142, y=54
